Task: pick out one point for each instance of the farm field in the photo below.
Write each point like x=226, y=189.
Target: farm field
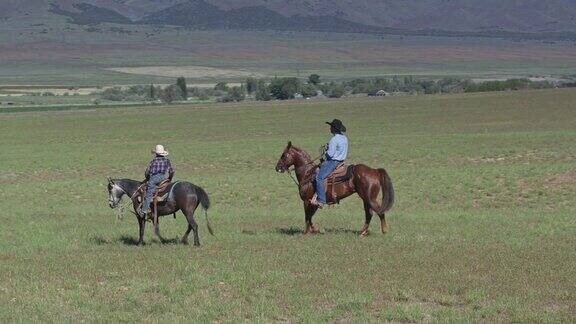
x=483, y=227
x=77, y=56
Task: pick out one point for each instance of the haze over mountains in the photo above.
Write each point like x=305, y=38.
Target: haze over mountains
x=531, y=16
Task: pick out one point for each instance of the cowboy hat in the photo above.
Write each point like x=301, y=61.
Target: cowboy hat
x=337, y=124
x=159, y=150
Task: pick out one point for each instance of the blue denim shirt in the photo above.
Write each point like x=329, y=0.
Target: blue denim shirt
x=337, y=148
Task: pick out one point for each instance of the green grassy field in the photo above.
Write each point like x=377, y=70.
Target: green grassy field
x=483, y=228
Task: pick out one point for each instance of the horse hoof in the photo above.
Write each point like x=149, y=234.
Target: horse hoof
x=185, y=242
x=364, y=234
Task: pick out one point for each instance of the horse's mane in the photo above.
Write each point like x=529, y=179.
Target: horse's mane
x=124, y=180
x=302, y=152
x=128, y=184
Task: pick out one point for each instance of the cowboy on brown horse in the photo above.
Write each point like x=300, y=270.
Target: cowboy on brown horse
x=369, y=183
x=336, y=153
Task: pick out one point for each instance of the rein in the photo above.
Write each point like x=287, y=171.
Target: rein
x=306, y=164
x=292, y=177
x=137, y=191
x=122, y=205
x=120, y=214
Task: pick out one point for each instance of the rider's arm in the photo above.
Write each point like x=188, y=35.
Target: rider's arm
x=147, y=172
x=171, y=171
x=332, y=146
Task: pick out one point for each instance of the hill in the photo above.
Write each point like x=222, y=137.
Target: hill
x=370, y=16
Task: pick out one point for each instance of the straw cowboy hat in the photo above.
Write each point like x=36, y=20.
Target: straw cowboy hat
x=159, y=150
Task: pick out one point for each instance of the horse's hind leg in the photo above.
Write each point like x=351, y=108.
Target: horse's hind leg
x=192, y=225
x=157, y=229
x=368, y=215
x=185, y=237
x=372, y=202
x=383, y=224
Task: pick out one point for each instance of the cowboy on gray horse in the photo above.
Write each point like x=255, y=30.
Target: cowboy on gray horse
x=336, y=153
x=158, y=170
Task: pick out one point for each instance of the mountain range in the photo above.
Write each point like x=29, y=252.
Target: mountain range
x=371, y=16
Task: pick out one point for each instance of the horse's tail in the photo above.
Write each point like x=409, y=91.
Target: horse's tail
x=205, y=202
x=387, y=191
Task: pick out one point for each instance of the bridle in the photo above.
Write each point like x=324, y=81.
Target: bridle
x=120, y=214
x=289, y=171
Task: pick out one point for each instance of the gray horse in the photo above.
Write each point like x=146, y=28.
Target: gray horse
x=182, y=196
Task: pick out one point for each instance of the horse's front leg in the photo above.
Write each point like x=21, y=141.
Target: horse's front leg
x=156, y=223
x=142, y=224
x=309, y=211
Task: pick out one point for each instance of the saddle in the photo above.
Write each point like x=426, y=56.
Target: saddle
x=341, y=174
x=161, y=193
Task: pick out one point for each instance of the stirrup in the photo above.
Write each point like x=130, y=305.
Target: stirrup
x=314, y=201
x=144, y=215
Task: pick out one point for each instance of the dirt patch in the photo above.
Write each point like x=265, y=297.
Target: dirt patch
x=7, y=178
x=525, y=156
x=12, y=94
x=56, y=91
x=562, y=180
x=22, y=90
x=193, y=72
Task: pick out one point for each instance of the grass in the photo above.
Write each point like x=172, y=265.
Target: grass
x=482, y=229
x=60, y=106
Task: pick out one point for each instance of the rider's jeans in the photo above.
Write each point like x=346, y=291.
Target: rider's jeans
x=325, y=169
x=152, y=185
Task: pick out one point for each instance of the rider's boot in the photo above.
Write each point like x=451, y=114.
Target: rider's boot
x=314, y=201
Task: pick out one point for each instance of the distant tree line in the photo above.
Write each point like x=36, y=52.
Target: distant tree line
x=290, y=87
x=446, y=85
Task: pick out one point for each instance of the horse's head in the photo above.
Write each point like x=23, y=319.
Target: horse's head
x=115, y=193
x=286, y=159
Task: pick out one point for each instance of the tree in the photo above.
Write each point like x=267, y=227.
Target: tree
x=152, y=93
x=203, y=96
x=234, y=94
x=113, y=94
x=314, y=79
x=181, y=83
x=308, y=91
x=285, y=88
x=171, y=93
x=222, y=86
x=263, y=93
x=251, y=85
x=336, y=91
x=261, y=84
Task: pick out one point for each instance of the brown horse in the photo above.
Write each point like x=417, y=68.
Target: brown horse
x=365, y=181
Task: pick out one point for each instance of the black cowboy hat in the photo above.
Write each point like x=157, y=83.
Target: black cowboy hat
x=337, y=124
